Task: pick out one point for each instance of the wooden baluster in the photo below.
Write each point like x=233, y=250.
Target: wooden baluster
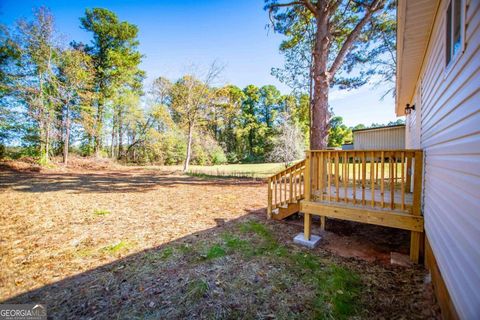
x=345, y=169
x=408, y=181
x=392, y=182
x=395, y=176
x=307, y=177
x=275, y=184
x=402, y=188
x=295, y=182
x=302, y=181
x=317, y=169
x=364, y=174
x=372, y=183
x=313, y=185
x=348, y=172
x=329, y=173
x=382, y=181
x=280, y=190
x=298, y=183
x=359, y=170
x=290, y=193
x=354, y=178
x=269, y=203
x=321, y=175
x=337, y=173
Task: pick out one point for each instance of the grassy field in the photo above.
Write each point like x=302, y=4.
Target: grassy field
x=251, y=170
x=264, y=170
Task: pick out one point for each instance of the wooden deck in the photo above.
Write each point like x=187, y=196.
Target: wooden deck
x=381, y=187
x=356, y=197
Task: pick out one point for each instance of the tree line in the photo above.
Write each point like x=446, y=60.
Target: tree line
x=89, y=98
x=58, y=97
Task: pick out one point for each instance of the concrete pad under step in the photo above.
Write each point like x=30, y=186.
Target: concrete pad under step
x=312, y=243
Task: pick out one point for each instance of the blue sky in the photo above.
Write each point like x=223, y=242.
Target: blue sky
x=176, y=34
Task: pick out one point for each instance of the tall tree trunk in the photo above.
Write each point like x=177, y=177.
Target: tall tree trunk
x=250, y=142
x=120, y=135
x=66, y=140
x=189, y=148
x=321, y=81
x=47, y=143
x=98, y=128
x=112, y=145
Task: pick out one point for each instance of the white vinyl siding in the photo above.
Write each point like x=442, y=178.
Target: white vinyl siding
x=413, y=126
x=450, y=136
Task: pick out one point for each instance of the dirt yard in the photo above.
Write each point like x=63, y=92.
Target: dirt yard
x=133, y=243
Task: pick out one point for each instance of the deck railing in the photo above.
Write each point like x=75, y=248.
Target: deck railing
x=285, y=187
x=370, y=178
x=381, y=187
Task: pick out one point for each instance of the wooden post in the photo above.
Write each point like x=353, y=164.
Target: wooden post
x=322, y=223
x=416, y=237
x=307, y=226
x=269, y=205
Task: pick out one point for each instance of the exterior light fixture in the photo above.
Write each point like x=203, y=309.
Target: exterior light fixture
x=408, y=108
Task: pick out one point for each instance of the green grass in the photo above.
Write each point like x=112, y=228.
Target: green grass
x=117, y=247
x=338, y=290
x=196, y=289
x=250, y=170
x=335, y=290
x=166, y=253
x=234, y=243
x=214, y=252
x=101, y=212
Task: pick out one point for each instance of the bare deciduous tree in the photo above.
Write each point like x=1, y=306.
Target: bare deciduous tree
x=289, y=145
x=190, y=98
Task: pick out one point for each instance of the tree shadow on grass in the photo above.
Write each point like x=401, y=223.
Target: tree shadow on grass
x=222, y=273
x=106, y=181
x=150, y=283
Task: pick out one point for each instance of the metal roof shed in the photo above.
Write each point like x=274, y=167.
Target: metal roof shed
x=385, y=138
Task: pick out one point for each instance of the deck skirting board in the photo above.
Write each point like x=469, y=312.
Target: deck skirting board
x=381, y=217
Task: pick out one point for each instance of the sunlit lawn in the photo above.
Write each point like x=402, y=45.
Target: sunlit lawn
x=253, y=170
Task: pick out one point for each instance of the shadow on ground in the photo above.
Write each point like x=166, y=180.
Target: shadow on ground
x=106, y=182
x=224, y=273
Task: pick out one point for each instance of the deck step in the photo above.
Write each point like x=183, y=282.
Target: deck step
x=285, y=211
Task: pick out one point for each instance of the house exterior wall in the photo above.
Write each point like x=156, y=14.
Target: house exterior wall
x=382, y=138
x=413, y=127
x=447, y=127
